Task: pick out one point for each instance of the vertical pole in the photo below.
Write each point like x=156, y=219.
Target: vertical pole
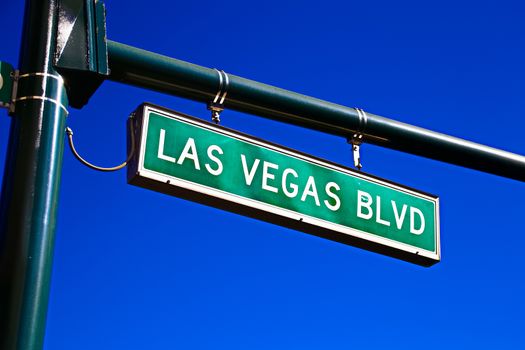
x=28, y=204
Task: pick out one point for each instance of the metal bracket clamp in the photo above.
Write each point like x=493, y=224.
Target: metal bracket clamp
x=357, y=138
x=11, y=106
x=44, y=91
x=217, y=106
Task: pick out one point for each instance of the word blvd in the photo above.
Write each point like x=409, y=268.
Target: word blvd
x=365, y=211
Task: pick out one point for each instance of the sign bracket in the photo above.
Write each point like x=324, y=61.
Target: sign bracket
x=357, y=138
x=356, y=141
x=217, y=105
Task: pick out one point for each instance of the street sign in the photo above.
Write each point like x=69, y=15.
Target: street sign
x=186, y=157
x=6, y=83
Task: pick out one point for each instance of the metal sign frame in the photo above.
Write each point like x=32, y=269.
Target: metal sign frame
x=140, y=176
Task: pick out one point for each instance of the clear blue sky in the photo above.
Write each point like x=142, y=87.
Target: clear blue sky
x=135, y=269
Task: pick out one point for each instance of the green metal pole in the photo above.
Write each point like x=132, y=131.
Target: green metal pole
x=160, y=73
x=28, y=205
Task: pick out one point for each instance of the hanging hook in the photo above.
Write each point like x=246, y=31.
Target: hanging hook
x=357, y=138
x=217, y=105
x=356, y=141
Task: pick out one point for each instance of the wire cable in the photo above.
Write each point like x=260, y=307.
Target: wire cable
x=69, y=133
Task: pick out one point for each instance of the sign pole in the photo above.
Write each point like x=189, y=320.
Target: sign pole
x=156, y=72
x=30, y=188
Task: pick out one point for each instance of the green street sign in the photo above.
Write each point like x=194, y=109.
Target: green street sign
x=186, y=157
x=6, y=83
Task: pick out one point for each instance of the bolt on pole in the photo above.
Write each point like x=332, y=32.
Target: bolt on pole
x=29, y=200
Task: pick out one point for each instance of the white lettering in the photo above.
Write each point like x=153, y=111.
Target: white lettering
x=364, y=204
x=412, y=225
x=266, y=175
x=311, y=190
x=190, y=146
x=160, y=152
x=293, y=186
x=332, y=195
x=213, y=158
x=249, y=175
x=378, y=213
x=399, y=218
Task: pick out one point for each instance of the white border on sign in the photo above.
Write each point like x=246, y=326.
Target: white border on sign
x=192, y=186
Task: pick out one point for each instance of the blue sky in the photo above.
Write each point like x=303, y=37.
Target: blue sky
x=135, y=269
